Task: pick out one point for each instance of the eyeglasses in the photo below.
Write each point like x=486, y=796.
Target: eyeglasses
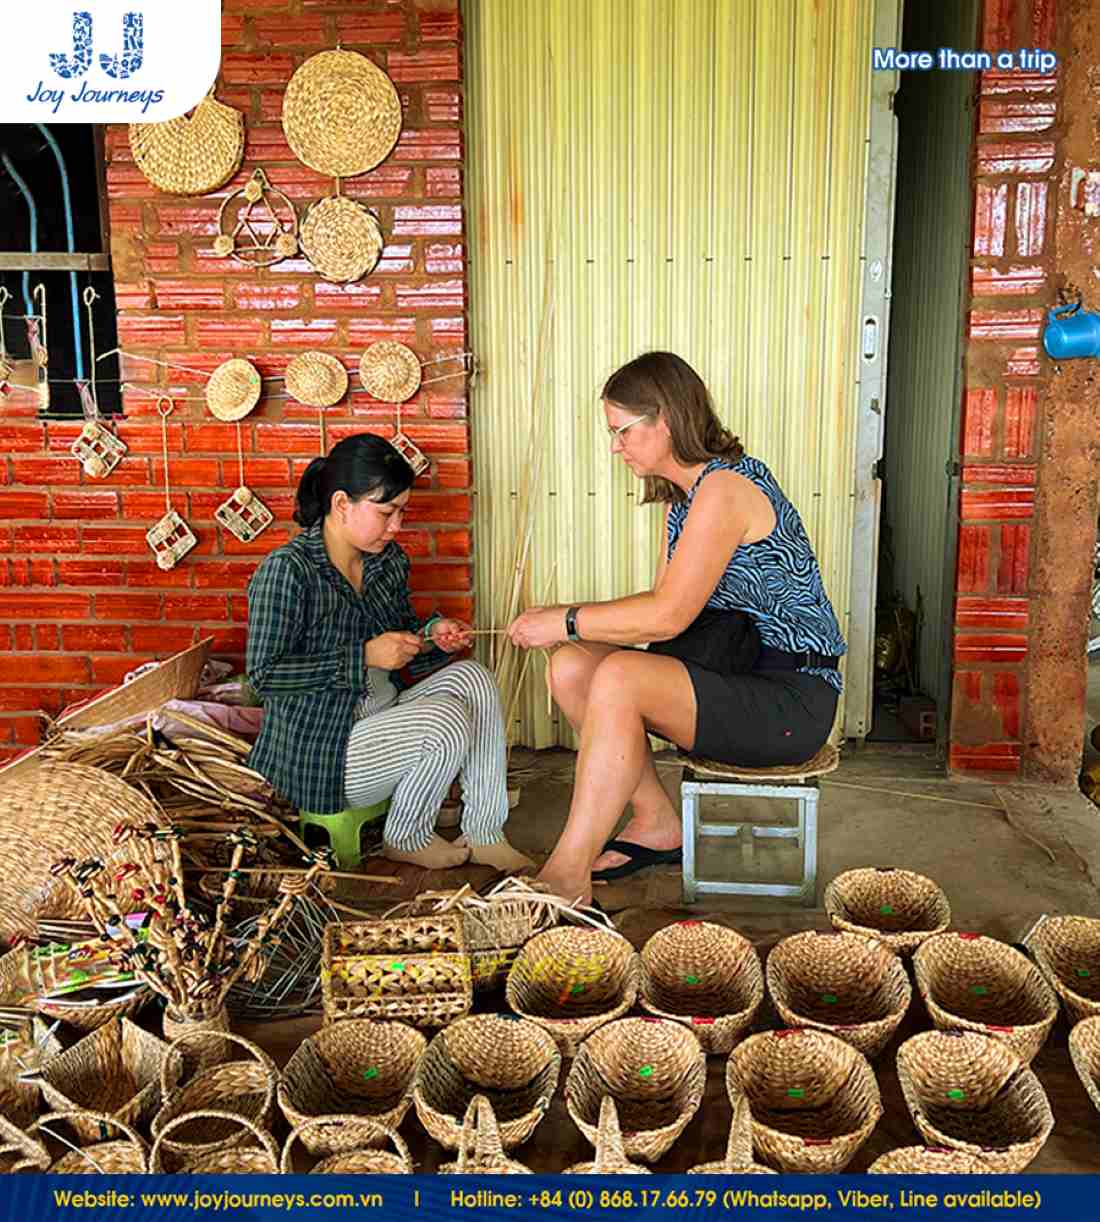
x=616, y=434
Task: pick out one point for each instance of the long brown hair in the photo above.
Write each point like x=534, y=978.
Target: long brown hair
x=663, y=384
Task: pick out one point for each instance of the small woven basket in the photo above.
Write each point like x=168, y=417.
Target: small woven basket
x=114, y=1071
x=201, y=1054
x=898, y=907
x=656, y=1072
x=814, y=1099
x=341, y=238
x=233, y=389
x=705, y=976
x=23, y=1050
x=479, y=1149
x=975, y=983
x=1084, y=1048
x=928, y=1160
x=231, y=1159
x=120, y=1156
x=843, y=983
x=513, y=1063
x=390, y=371
x=972, y=1093
x=610, y=1157
x=316, y=379
x=350, y=1160
x=241, y=1092
x=572, y=980
x=358, y=1068
x=738, y=1160
x=191, y=155
x=1067, y=950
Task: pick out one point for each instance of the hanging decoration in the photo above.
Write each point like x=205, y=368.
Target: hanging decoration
x=316, y=379
x=233, y=389
x=273, y=231
x=194, y=154
x=341, y=238
x=97, y=449
x=171, y=539
x=244, y=515
x=390, y=371
x=20, y=374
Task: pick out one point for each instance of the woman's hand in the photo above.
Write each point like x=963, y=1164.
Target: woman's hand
x=451, y=635
x=538, y=628
x=391, y=650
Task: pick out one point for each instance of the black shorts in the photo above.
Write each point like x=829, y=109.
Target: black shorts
x=763, y=718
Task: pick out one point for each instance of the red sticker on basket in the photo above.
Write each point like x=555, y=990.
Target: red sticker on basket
x=991, y=1027
x=703, y=1022
x=689, y=922
x=817, y=1141
x=970, y=937
x=782, y=1035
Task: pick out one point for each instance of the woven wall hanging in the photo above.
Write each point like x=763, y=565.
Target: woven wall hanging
x=316, y=379
x=171, y=539
x=342, y=239
x=97, y=449
x=233, y=389
x=390, y=371
x=265, y=230
x=244, y=515
x=193, y=154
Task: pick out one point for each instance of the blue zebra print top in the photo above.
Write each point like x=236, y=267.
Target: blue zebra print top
x=777, y=580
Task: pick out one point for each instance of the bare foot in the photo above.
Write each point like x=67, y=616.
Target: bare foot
x=438, y=854
x=574, y=890
x=665, y=832
x=500, y=856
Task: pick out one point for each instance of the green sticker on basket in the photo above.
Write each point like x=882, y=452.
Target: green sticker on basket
x=979, y=990
x=955, y=1093
x=1082, y=971
x=397, y=966
x=370, y=1073
x=796, y=1092
x=887, y=910
x=577, y=988
x=829, y=999
x=77, y=977
x=646, y=1071
x=692, y=979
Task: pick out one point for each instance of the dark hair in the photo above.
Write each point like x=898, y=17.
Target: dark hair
x=663, y=384
x=363, y=465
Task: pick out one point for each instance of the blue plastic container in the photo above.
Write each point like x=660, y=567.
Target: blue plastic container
x=1072, y=332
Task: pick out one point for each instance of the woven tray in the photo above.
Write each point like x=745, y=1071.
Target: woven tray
x=231, y=1158
x=972, y=1093
x=814, y=1099
x=20, y=993
x=610, y=1157
x=848, y=985
x=369, y=1160
x=898, y=907
x=975, y=983
x=1067, y=950
x=928, y=1160
x=705, y=976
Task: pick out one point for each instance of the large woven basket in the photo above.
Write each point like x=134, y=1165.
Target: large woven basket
x=232, y=1159
x=975, y=983
x=1084, y=1048
x=365, y=1160
x=738, y=1160
x=656, y=1072
x=515, y=1064
x=814, y=1099
x=843, y=983
x=610, y=1157
x=1067, y=950
x=358, y=1068
x=573, y=980
x=928, y=1160
x=191, y=155
x=105, y=1156
x=242, y=1093
x=114, y=1071
x=898, y=907
x=341, y=238
x=972, y=1093
x=480, y=1151
x=706, y=976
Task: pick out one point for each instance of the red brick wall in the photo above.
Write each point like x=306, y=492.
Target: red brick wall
x=85, y=601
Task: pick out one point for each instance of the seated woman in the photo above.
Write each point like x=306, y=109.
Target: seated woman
x=734, y=542
x=329, y=624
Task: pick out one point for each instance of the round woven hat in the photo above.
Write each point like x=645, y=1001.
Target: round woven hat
x=341, y=238
x=341, y=114
x=390, y=371
x=233, y=390
x=316, y=379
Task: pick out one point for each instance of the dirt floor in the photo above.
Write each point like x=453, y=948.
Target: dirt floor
x=1004, y=854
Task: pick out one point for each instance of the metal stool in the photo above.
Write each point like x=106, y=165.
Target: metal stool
x=797, y=781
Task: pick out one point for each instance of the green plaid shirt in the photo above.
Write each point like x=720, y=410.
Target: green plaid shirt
x=306, y=631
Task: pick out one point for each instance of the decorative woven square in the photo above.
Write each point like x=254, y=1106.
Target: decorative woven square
x=411, y=453
x=244, y=515
x=171, y=539
x=98, y=450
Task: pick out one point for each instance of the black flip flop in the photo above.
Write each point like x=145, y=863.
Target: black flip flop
x=641, y=858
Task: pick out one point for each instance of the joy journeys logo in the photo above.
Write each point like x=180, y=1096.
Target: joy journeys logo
x=110, y=61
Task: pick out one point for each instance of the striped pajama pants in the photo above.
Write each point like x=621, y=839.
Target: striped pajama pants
x=412, y=745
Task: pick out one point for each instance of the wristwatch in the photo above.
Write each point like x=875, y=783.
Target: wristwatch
x=571, y=624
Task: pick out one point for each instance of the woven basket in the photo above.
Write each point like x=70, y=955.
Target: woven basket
x=114, y=1071
x=813, y=1098
x=362, y=1070
x=1067, y=950
x=738, y=1160
x=23, y=1050
x=233, y=390
x=928, y=1160
x=848, y=985
x=573, y=980
x=242, y=1091
x=1084, y=1048
x=412, y=969
x=105, y=1157
x=979, y=984
x=610, y=1157
x=350, y=1160
x=22, y=985
x=515, y=1064
x=341, y=238
x=898, y=907
x=316, y=379
x=390, y=371
x=479, y=1150
x=655, y=1071
x=341, y=114
x=972, y=1093
x=705, y=976
x=230, y=1159
x=200, y=1054
x=194, y=154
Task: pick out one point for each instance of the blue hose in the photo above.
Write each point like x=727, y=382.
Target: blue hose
x=27, y=304
x=78, y=332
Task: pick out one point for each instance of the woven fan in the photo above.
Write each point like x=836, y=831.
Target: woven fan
x=193, y=154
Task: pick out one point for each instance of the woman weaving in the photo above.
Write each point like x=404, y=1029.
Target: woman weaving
x=329, y=626
x=745, y=644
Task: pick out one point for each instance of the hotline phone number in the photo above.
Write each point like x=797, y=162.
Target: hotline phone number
x=634, y=1198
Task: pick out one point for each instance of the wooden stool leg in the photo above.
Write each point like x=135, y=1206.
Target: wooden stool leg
x=807, y=822
x=689, y=806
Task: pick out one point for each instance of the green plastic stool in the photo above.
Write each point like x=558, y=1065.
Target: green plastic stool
x=343, y=828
